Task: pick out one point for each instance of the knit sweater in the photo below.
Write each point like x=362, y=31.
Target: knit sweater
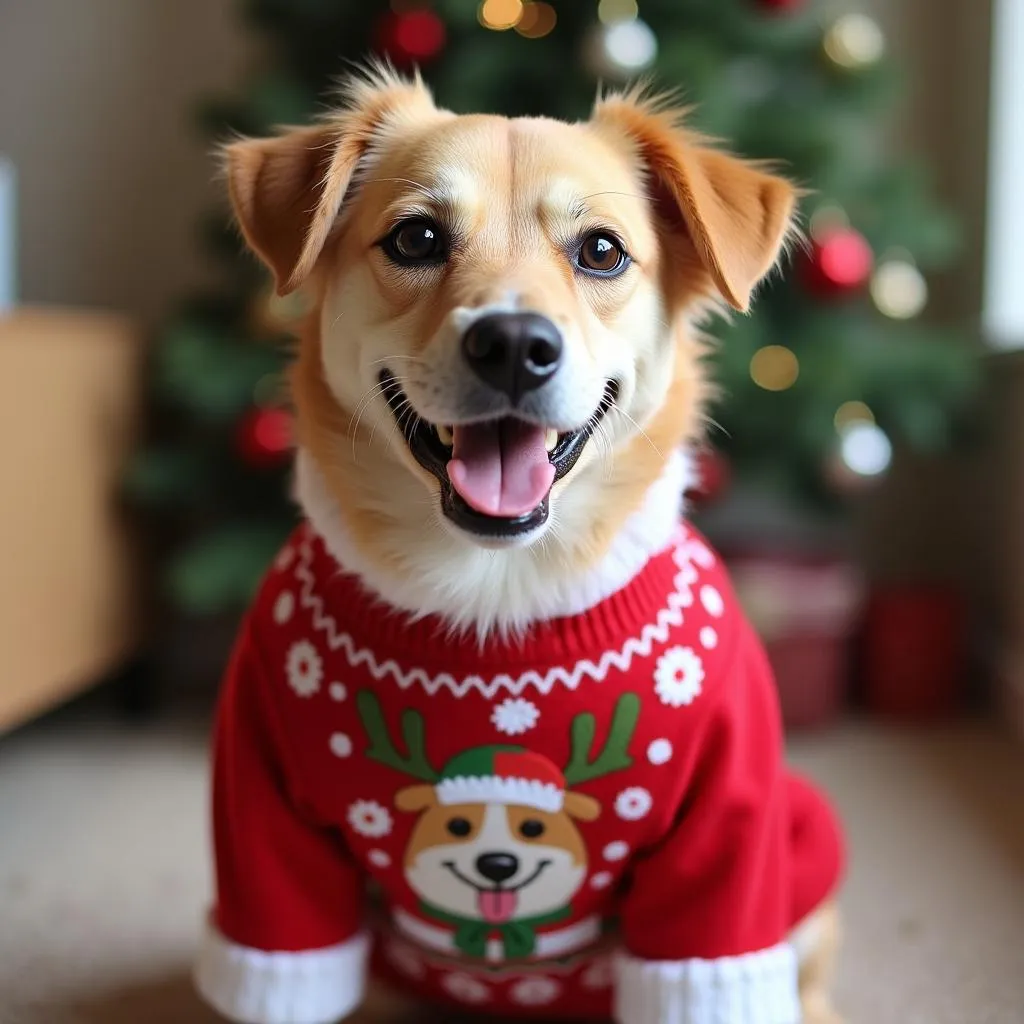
x=592, y=820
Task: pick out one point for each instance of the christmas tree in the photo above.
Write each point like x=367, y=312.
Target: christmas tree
x=836, y=363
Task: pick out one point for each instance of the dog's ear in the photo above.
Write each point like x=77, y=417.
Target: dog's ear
x=581, y=806
x=287, y=190
x=736, y=214
x=415, y=798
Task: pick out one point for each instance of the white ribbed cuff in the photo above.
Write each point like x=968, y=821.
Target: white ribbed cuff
x=251, y=986
x=758, y=988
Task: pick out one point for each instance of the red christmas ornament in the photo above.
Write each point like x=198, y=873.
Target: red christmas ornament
x=411, y=36
x=713, y=473
x=264, y=437
x=839, y=263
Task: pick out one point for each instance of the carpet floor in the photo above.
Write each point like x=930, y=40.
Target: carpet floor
x=103, y=870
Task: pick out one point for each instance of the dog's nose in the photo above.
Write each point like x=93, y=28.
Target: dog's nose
x=513, y=352
x=497, y=867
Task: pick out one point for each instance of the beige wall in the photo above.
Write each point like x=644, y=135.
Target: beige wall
x=95, y=111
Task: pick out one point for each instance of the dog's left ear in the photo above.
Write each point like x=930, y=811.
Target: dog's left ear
x=736, y=214
x=287, y=190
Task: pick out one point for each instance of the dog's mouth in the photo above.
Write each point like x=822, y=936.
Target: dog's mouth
x=495, y=475
x=498, y=903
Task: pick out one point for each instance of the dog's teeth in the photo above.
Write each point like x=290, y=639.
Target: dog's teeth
x=445, y=435
x=551, y=439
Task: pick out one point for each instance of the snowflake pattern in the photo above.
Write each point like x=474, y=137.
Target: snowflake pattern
x=466, y=988
x=304, y=668
x=369, y=818
x=678, y=676
x=514, y=716
x=535, y=991
x=633, y=803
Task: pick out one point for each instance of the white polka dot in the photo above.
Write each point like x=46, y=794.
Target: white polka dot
x=708, y=638
x=283, y=607
x=702, y=555
x=659, y=751
x=616, y=850
x=338, y=691
x=379, y=858
x=601, y=880
x=712, y=600
x=341, y=745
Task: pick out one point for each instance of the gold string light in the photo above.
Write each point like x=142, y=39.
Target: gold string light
x=774, y=368
x=611, y=11
x=500, y=15
x=537, y=20
x=850, y=413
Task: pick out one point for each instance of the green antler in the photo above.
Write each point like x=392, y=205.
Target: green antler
x=381, y=749
x=613, y=757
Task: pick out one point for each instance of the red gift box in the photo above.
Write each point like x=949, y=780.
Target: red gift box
x=913, y=652
x=806, y=611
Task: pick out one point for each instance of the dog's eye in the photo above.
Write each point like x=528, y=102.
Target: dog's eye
x=459, y=827
x=531, y=828
x=601, y=254
x=416, y=241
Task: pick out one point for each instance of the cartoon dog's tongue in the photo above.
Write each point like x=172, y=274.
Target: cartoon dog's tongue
x=496, y=905
x=501, y=468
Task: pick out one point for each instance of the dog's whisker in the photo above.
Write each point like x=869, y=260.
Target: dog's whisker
x=643, y=433
x=712, y=422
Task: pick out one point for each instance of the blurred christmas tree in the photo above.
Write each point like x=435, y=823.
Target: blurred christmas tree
x=834, y=362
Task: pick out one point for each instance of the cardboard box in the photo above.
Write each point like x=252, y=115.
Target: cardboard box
x=69, y=401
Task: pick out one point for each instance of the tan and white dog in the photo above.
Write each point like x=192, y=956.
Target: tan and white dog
x=502, y=364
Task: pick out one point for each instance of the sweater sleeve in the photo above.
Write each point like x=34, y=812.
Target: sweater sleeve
x=705, y=919
x=283, y=944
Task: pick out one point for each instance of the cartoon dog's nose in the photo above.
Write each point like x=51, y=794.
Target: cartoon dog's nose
x=497, y=867
x=513, y=352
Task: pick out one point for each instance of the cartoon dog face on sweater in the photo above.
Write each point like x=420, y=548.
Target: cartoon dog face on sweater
x=501, y=846
x=497, y=846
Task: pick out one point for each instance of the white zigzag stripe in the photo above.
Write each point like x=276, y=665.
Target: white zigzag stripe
x=687, y=552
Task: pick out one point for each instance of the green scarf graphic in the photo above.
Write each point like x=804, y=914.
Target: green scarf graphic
x=518, y=938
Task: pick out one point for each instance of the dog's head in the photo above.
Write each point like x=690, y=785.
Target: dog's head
x=495, y=862
x=503, y=340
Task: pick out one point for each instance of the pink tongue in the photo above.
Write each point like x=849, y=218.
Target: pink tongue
x=496, y=905
x=501, y=468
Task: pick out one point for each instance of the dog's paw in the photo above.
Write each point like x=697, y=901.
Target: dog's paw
x=817, y=1009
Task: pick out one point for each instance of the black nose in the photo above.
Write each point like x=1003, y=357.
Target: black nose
x=497, y=867
x=513, y=352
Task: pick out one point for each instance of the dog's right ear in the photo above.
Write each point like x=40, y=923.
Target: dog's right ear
x=287, y=190
x=415, y=798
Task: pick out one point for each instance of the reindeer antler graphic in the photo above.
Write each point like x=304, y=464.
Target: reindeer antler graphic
x=613, y=756
x=381, y=747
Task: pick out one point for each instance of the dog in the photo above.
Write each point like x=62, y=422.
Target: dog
x=494, y=396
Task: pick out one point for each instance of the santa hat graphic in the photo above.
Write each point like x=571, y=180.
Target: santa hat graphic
x=502, y=775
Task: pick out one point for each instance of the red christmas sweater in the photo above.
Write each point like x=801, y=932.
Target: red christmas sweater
x=592, y=821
